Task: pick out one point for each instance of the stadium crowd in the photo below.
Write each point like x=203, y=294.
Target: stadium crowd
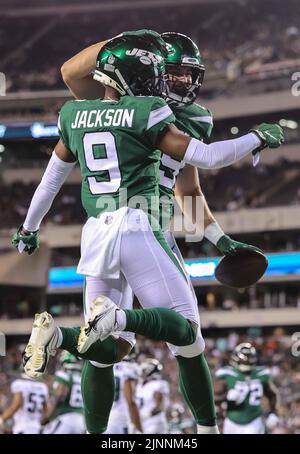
x=230, y=189
x=251, y=37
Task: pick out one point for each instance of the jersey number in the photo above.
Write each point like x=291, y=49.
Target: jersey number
x=76, y=397
x=109, y=164
x=35, y=403
x=117, y=389
x=253, y=389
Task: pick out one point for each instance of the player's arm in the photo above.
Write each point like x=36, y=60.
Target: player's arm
x=159, y=400
x=188, y=185
x=16, y=404
x=58, y=395
x=220, y=387
x=76, y=73
x=271, y=392
x=218, y=154
x=134, y=414
x=58, y=169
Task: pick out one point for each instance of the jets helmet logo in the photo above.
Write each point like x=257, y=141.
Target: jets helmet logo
x=146, y=57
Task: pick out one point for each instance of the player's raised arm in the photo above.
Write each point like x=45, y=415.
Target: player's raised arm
x=15, y=405
x=219, y=154
x=59, y=167
x=77, y=71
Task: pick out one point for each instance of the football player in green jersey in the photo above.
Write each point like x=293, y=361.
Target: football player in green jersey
x=244, y=384
x=65, y=406
x=116, y=142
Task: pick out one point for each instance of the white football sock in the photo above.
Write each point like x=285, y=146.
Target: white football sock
x=120, y=320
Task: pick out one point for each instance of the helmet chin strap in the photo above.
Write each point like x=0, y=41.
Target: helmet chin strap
x=106, y=80
x=179, y=100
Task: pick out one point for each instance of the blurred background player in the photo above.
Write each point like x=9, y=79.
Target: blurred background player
x=124, y=417
x=244, y=384
x=29, y=402
x=153, y=396
x=65, y=406
x=179, y=421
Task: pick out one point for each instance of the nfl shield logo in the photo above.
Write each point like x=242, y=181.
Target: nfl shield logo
x=111, y=59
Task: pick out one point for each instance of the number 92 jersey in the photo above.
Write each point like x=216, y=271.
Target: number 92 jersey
x=115, y=144
x=247, y=389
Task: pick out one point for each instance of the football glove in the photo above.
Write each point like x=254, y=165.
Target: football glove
x=271, y=135
x=26, y=241
x=271, y=421
x=152, y=36
x=228, y=246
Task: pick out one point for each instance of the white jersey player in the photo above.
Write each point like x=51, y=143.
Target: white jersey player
x=27, y=406
x=153, y=398
x=124, y=416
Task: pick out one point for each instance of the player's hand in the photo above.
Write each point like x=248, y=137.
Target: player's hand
x=228, y=246
x=26, y=241
x=271, y=135
x=272, y=421
x=233, y=395
x=152, y=36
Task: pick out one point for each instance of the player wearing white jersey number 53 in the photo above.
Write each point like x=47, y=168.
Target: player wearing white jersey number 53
x=27, y=406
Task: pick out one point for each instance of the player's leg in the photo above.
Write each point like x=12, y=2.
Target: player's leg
x=231, y=428
x=156, y=425
x=46, y=337
x=53, y=427
x=255, y=427
x=114, y=348
x=159, y=282
x=197, y=388
x=97, y=382
x=118, y=423
x=68, y=423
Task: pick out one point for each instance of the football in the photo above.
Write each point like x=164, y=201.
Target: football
x=242, y=269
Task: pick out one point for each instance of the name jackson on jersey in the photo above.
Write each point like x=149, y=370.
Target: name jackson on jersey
x=103, y=118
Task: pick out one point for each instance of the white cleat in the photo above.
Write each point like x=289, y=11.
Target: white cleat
x=41, y=345
x=101, y=324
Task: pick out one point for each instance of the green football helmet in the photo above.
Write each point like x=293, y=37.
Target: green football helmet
x=244, y=357
x=70, y=361
x=132, y=65
x=182, y=53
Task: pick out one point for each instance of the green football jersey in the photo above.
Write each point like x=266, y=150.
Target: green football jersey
x=250, y=388
x=197, y=122
x=115, y=145
x=73, y=400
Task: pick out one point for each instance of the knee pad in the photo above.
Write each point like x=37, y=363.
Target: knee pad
x=189, y=351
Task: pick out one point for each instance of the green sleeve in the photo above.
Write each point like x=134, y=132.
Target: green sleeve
x=221, y=374
x=63, y=124
x=194, y=120
x=160, y=115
